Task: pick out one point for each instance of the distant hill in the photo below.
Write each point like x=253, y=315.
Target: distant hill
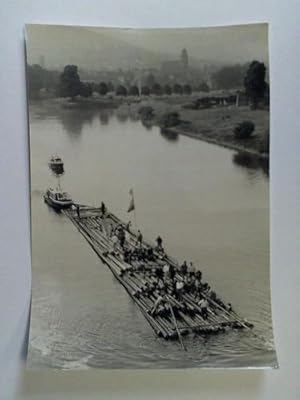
x=87, y=49
x=91, y=50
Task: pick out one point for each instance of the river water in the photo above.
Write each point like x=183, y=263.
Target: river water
x=201, y=198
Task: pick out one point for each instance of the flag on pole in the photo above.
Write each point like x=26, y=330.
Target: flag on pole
x=131, y=204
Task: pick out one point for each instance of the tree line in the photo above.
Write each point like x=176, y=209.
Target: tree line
x=69, y=84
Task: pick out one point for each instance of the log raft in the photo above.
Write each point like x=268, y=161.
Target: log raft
x=170, y=314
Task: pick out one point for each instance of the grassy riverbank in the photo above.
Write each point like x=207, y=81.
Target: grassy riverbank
x=214, y=125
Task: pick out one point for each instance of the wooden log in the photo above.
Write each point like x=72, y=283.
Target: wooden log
x=176, y=326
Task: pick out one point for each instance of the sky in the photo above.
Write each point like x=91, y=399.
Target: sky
x=222, y=44
x=112, y=48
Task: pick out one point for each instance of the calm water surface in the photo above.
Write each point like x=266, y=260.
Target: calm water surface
x=207, y=206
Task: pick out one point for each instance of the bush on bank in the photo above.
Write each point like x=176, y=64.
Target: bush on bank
x=244, y=130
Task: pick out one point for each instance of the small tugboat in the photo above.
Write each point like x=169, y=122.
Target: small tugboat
x=56, y=164
x=57, y=198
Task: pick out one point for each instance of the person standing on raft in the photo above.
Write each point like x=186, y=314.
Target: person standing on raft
x=159, y=242
x=139, y=239
x=184, y=268
x=103, y=209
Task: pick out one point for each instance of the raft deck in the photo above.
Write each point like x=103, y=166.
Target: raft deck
x=173, y=316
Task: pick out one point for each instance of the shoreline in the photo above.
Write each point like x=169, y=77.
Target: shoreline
x=228, y=145
x=161, y=106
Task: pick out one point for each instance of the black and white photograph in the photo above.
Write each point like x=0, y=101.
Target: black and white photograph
x=149, y=190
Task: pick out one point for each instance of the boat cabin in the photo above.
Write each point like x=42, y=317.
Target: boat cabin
x=56, y=161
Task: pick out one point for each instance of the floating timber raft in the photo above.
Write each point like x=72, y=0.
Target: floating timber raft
x=170, y=315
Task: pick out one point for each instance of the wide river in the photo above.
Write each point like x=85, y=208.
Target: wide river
x=207, y=206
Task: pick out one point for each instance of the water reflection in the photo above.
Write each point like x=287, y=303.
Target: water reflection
x=169, y=135
x=133, y=116
x=73, y=121
x=105, y=116
x=57, y=176
x=251, y=162
x=122, y=116
x=147, y=124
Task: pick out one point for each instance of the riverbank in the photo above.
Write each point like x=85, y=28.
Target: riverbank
x=214, y=125
x=217, y=126
x=228, y=145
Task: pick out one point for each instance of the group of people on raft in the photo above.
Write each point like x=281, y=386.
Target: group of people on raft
x=165, y=280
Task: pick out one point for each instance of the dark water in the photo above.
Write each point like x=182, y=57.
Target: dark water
x=208, y=207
